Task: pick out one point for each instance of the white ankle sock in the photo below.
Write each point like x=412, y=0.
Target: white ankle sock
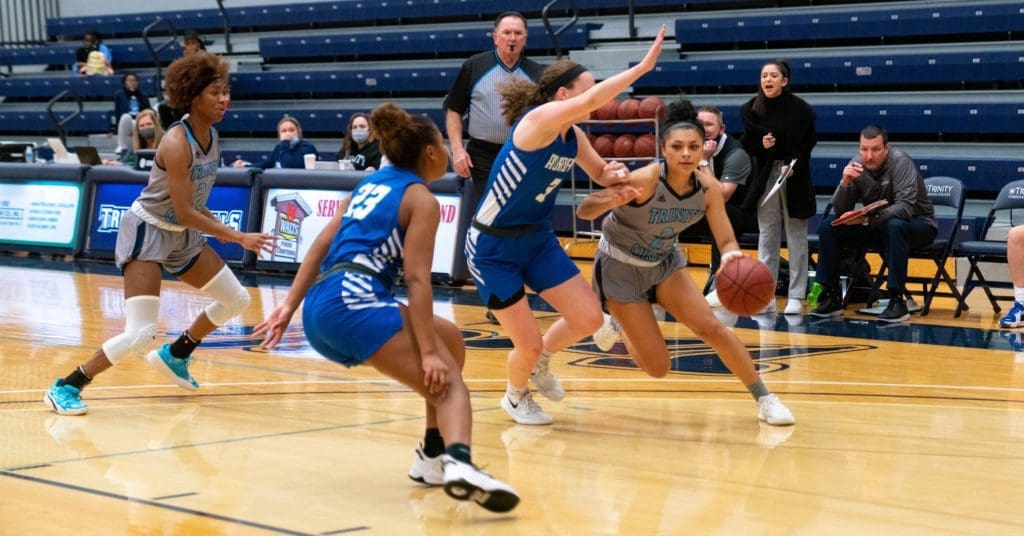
x=1018, y=294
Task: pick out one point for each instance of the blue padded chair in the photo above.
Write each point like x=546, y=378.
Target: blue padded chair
x=1011, y=197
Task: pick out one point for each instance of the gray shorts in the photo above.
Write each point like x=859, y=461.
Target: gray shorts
x=624, y=282
x=141, y=241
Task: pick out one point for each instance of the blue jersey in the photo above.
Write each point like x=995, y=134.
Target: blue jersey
x=370, y=233
x=524, y=184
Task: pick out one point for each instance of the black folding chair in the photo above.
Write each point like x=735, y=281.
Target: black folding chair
x=982, y=250
x=943, y=192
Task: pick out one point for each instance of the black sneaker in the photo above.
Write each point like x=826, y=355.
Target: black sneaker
x=829, y=304
x=896, y=311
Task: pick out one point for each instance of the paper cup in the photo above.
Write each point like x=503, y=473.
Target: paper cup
x=310, y=160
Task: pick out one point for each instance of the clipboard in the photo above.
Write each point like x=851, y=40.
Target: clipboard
x=863, y=211
x=779, y=181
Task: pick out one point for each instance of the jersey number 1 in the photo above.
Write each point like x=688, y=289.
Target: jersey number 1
x=542, y=196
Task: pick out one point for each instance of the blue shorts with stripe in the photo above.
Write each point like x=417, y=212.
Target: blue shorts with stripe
x=500, y=266
x=348, y=316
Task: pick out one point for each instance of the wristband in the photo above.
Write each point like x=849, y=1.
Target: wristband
x=730, y=254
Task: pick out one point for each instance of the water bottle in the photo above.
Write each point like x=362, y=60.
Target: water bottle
x=812, y=296
x=30, y=155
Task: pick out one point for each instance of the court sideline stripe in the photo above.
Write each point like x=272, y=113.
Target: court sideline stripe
x=155, y=504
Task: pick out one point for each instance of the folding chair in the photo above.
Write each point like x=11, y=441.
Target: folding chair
x=1010, y=197
x=943, y=192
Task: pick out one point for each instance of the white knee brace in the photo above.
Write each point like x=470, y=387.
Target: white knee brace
x=230, y=297
x=141, y=313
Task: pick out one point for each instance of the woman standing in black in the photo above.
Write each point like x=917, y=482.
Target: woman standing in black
x=778, y=126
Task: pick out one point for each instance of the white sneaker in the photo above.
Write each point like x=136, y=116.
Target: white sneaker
x=772, y=411
x=712, y=299
x=770, y=308
x=545, y=381
x=606, y=337
x=427, y=470
x=525, y=410
x=794, y=306
x=464, y=482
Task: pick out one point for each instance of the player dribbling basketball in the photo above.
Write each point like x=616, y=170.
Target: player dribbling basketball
x=638, y=259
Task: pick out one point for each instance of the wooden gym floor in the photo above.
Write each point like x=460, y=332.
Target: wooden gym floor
x=909, y=429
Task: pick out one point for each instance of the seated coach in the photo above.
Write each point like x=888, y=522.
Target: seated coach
x=905, y=223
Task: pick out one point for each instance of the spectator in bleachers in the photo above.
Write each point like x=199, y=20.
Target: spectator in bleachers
x=193, y=42
x=146, y=134
x=725, y=157
x=474, y=95
x=291, y=149
x=357, y=147
x=1015, y=258
x=128, y=102
x=94, y=57
x=907, y=222
x=778, y=126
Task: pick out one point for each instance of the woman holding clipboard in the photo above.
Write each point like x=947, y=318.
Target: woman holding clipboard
x=778, y=127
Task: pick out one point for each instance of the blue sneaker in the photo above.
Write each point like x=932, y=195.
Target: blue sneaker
x=175, y=369
x=1014, y=318
x=65, y=399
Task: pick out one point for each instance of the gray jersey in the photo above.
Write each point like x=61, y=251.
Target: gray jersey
x=154, y=203
x=645, y=234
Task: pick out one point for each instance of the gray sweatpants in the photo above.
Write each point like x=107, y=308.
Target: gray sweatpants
x=770, y=219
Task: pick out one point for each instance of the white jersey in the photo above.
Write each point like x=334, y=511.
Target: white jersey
x=154, y=203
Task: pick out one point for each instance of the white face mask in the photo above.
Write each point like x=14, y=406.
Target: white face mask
x=360, y=135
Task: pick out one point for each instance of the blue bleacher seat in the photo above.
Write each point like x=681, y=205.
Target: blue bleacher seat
x=64, y=54
x=881, y=21
x=844, y=70
x=403, y=43
x=84, y=86
x=352, y=82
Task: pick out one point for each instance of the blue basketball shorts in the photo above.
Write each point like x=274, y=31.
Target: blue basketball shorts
x=349, y=316
x=500, y=266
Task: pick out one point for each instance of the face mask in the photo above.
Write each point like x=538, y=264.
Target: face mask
x=293, y=142
x=147, y=133
x=360, y=135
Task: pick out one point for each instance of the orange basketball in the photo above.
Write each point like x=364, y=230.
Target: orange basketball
x=628, y=108
x=623, y=147
x=645, y=146
x=745, y=286
x=649, y=107
x=605, y=145
x=610, y=110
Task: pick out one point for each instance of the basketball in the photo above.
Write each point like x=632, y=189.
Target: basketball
x=628, y=108
x=745, y=286
x=645, y=146
x=605, y=145
x=649, y=107
x=610, y=110
x=623, y=147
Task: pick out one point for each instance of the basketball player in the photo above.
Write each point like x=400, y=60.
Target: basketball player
x=511, y=243
x=164, y=230
x=638, y=261
x=351, y=315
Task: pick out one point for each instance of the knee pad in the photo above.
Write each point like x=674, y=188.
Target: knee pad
x=141, y=313
x=230, y=297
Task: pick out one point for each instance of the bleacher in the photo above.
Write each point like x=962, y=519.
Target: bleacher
x=941, y=76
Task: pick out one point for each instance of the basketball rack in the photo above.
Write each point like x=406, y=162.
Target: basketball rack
x=585, y=235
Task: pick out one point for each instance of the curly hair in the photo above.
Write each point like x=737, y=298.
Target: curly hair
x=402, y=136
x=188, y=76
x=519, y=95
